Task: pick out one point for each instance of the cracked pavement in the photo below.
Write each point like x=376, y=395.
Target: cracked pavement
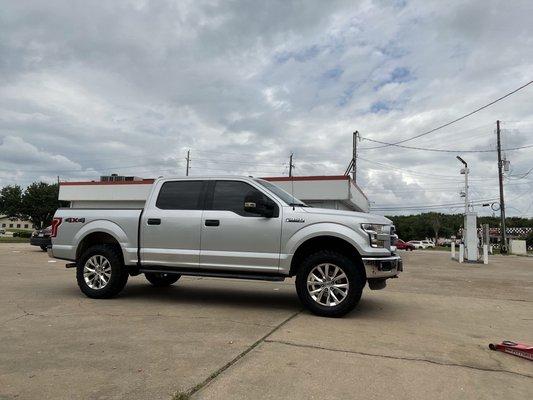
x=425, y=336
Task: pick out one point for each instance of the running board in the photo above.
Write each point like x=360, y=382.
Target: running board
x=216, y=274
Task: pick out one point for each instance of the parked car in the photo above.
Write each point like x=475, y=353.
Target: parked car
x=428, y=243
x=249, y=229
x=421, y=244
x=417, y=244
x=401, y=245
x=42, y=238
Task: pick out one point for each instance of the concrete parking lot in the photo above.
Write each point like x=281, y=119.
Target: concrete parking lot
x=424, y=336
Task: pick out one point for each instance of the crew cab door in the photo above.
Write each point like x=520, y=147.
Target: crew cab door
x=170, y=225
x=234, y=239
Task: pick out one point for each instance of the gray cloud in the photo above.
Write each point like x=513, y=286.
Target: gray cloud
x=92, y=88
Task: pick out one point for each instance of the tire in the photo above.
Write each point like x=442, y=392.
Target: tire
x=43, y=248
x=161, y=279
x=108, y=262
x=353, y=277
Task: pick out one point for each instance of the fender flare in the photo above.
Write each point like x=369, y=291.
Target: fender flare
x=102, y=226
x=323, y=229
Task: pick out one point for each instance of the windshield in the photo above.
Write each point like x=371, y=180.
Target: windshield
x=282, y=194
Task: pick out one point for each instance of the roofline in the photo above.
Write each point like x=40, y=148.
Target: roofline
x=82, y=183
x=270, y=178
x=307, y=178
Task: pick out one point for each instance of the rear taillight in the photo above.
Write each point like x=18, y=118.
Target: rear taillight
x=55, y=225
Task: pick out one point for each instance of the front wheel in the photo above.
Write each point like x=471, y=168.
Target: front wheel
x=100, y=272
x=43, y=248
x=329, y=284
x=161, y=279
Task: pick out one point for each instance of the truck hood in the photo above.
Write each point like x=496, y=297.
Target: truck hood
x=363, y=217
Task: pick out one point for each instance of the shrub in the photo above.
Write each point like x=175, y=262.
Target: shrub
x=25, y=235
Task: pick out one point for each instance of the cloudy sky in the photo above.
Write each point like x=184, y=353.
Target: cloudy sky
x=91, y=88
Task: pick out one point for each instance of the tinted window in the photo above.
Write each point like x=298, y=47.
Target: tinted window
x=230, y=195
x=180, y=195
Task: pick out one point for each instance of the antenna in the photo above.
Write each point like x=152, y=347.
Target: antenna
x=291, y=166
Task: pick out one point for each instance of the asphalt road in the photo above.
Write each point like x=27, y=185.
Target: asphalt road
x=424, y=336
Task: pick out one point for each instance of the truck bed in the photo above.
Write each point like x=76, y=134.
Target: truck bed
x=77, y=223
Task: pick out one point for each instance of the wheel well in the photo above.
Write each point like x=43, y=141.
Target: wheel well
x=98, y=238
x=315, y=244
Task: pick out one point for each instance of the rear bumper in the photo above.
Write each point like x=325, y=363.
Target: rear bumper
x=382, y=267
x=40, y=241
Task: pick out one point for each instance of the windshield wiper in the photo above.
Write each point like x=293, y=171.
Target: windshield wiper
x=298, y=205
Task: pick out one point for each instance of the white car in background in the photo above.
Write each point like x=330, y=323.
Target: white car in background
x=422, y=244
x=428, y=244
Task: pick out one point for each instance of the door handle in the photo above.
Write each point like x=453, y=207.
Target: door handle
x=154, y=221
x=212, y=222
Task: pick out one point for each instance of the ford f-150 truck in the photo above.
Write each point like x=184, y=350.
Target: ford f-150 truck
x=233, y=227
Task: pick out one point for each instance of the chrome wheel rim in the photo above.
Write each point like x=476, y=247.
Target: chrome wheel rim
x=97, y=272
x=327, y=284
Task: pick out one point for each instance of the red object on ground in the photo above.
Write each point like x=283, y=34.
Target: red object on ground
x=516, y=349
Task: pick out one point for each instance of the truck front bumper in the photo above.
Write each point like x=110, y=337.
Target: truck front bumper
x=382, y=267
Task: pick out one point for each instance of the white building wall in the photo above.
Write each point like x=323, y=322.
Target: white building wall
x=343, y=193
x=107, y=204
x=338, y=193
x=104, y=192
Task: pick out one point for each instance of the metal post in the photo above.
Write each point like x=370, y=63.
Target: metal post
x=503, y=244
x=466, y=188
x=188, y=158
x=290, y=164
x=354, y=156
x=453, y=249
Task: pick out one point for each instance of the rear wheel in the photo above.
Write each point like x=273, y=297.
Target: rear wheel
x=100, y=272
x=43, y=247
x=161, y=279
x=329, y=284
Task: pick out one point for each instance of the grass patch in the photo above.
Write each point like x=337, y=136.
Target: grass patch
x=179, y=395
x=18, y=230
x=9, y=239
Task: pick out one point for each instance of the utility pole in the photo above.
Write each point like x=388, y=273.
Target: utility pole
x=188, y=158
x=354, y=156
x=291, y=165
x=503, y=245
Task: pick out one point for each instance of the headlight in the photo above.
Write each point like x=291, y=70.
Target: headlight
x=374, y=231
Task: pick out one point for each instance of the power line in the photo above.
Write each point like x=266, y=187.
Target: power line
x=443, y=150
x=521, y=177
x=423, y=174
x=422, y=206
x=239, y=162
x=452, y=122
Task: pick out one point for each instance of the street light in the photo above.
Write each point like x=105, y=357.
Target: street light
x=464, y=172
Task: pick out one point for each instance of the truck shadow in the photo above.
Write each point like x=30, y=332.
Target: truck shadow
x=241, y=295
x=214, y=296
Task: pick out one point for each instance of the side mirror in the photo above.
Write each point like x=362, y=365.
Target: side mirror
x=250, y=205
x=259, y=205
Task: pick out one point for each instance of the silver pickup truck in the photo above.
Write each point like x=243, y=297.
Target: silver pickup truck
x=233, y=227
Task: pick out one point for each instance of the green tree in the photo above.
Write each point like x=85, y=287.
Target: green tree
x=11, y=201
x=529, y=239
x=436, y=224
x=39, y=203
